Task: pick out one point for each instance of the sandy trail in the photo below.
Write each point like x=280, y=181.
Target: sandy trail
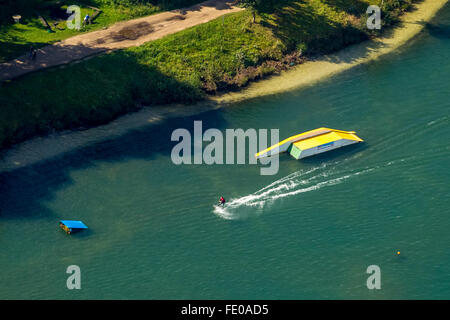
x=118, y=36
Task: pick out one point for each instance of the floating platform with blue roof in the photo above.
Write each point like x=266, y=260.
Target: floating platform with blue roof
x=72, y=226
x=311, y=143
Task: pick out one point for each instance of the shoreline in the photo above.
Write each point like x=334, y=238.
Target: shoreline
x=308, y=73
x=114, y=37
x=40, y=148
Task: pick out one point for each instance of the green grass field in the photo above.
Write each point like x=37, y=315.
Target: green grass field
x=222, y=54
x=16, y=38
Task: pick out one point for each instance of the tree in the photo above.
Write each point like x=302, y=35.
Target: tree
x=259, y=6
x=253, y=5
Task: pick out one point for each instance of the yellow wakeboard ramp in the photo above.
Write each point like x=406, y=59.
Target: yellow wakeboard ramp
x=312, y=142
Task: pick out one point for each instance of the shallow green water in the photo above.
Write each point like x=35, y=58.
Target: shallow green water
x=318, y=225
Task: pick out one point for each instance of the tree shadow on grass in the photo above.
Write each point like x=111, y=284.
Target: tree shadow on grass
x=319, y=37
x=198, y=5
x=300, y=26
x=354, y=7
x=13, y=43
x=9, y=50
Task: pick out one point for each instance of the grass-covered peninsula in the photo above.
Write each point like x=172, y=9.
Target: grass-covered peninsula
x=224, y=54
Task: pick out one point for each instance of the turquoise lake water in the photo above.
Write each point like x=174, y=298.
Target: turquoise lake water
x=309, y=232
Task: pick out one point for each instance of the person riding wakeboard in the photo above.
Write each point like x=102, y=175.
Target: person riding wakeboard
x=222, y=201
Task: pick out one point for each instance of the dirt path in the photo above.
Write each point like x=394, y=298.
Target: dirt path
x=118, y=36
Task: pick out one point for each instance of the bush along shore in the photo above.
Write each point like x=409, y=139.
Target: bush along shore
x=224, y=54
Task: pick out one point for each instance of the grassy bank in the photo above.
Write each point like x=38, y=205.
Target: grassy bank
x=220, y=55
x=16, y=38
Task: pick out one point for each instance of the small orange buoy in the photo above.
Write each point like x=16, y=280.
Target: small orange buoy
x=398, y=253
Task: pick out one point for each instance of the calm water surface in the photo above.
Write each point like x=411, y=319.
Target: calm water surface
x=309, y=232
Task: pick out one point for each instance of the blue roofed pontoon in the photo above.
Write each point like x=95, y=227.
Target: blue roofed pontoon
x=71, y=226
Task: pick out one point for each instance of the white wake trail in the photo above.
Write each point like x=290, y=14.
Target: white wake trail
x=293, y=184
